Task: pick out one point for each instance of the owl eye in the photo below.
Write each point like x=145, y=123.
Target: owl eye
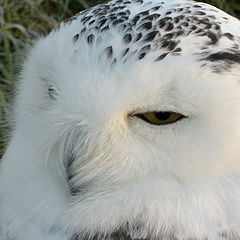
x=160, y=118
x=51, y=91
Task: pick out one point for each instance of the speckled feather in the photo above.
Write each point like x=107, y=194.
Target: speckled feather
x=159, y=29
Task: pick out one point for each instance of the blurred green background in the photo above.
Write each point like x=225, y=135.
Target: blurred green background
x=21, y=21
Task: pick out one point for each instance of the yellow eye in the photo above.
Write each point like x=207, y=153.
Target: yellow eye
x=160, y=118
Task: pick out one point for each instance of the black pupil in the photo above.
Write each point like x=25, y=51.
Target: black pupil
x=162, y=115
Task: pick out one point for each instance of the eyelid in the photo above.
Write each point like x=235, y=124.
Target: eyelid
x=136, y=112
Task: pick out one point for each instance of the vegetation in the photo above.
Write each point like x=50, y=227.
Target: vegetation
x=21, y=21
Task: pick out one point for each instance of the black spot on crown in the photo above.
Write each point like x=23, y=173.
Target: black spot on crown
x=109, y=51
x=224, y=56
x=90, y=38
x=127, y=38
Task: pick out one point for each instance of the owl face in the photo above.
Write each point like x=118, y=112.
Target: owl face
x=161, y=99
x=135, y=108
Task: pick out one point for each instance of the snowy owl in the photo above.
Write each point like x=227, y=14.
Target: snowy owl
x=128, y=127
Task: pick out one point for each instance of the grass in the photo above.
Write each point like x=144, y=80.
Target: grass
x=22, y=21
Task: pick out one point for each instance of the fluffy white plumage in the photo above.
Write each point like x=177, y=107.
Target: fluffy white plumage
x=82, y=164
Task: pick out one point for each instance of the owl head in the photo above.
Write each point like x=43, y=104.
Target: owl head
x=128, y=124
